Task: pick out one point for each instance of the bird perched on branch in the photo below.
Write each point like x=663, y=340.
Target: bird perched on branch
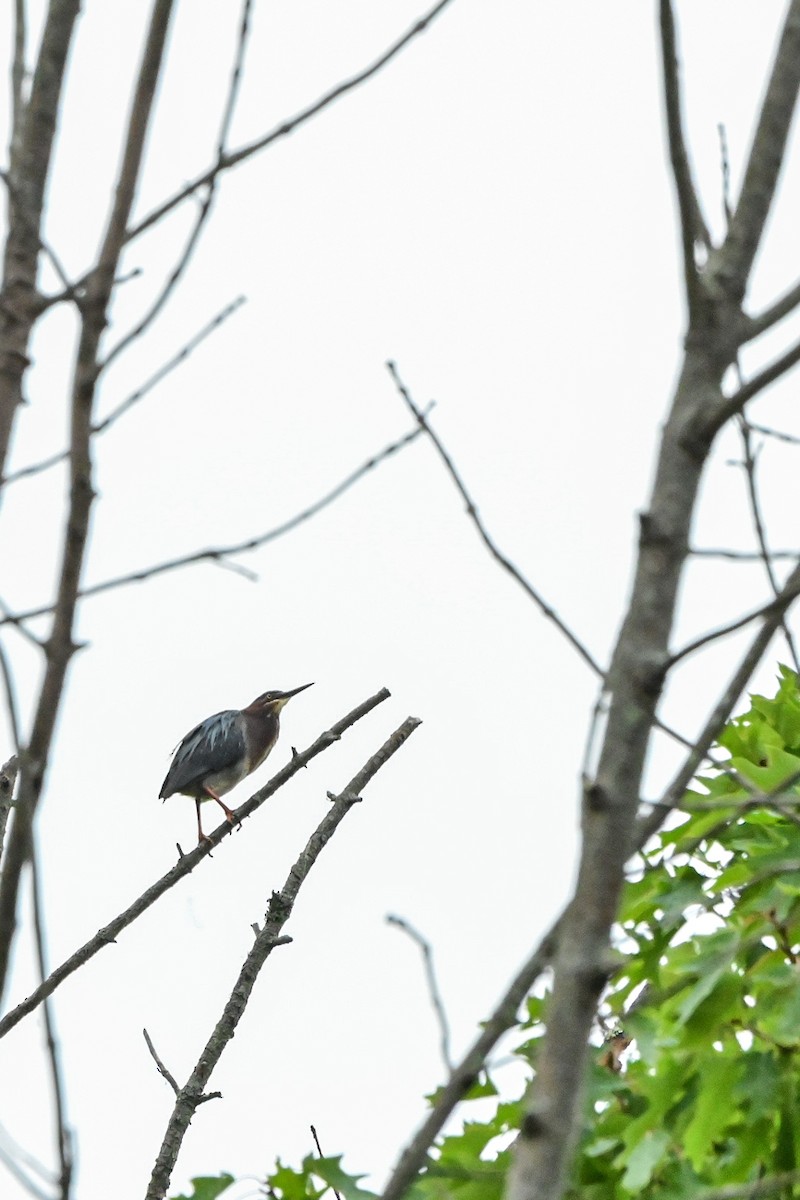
x=223, y=750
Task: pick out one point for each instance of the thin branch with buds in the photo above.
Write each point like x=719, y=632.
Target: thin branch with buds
x=186, y=864
x=279, y=909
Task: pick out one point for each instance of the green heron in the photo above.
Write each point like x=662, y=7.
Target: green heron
x=223, y=750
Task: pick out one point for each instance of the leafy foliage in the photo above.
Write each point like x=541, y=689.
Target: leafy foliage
x=708, y=987
x=208, y=1187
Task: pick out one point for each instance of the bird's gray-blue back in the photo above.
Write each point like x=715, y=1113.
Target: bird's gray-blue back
x=211, y=746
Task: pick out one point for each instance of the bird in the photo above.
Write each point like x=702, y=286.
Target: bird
x=223, y=750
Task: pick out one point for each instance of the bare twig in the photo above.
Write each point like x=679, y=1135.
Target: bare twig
x=464, y=1075
x=692, y=226
x=19, y=625
x=776, y=607
x=491, y=546
x=61, y=645
x=319, y=1152
x=217, y=553
x=290, y=124
x=650, y=823
x=185, y=865
x=13, y=1160
x=760, y=529
x=433, y=986
x=782, y=307
x=748, y=556
x=735, y=403
x=162, y=1070
x=279, y=910
x=134, y=398
x=206, y=204
x=64, y=1136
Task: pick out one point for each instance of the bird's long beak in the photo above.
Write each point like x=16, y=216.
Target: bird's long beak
x=285, y=697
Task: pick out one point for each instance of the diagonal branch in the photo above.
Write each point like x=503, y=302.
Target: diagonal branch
x=693, y=228
x=64, y=1135
x=206, y=204
x=782, y=307
x=505, y=1014
x=433, y=985
x=760, y=529
x=29, y=170
x=217, y=554
x=735, y=403
x=60, y=645
x=288, y=126
x=487, y=540
x=279, y=910
x=140, y=393
x=185, y=865
x=764, y=163
x=463, y=1076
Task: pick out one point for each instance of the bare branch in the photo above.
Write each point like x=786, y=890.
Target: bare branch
x=290, y=124
x=140, y=393
x=18, y=75
x=758, y=522
x=218, y=553
x=649, y=824
x=64, y=1136
x=60, y=646
x=464, y=1075
x=691, y=222
x=764, y=163
x=279, y=910
x=735, y=403
x=8, y=777
x=747, y=556
x=162, y=1070
x=7, y=617
x=12, y=1160
x=433, y=986
x=206, y=204
x=782, y=307
x=491, y=546
x=28, y=173
x=319, y=1152
x=186, y=864
x=776, y=607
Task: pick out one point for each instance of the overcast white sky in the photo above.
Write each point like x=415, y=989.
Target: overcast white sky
x=494, y=212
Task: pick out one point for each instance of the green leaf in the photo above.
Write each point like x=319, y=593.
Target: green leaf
x=712, y=1112
x=644, y=1160
x=330, y=1171
x=208, y=1187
